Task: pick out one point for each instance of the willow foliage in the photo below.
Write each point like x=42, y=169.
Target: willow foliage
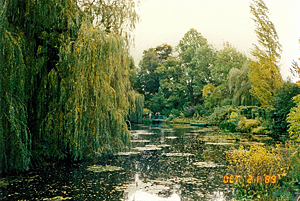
x=64, y=79
x=239, y=86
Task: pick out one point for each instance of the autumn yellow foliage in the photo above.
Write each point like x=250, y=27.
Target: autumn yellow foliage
x=257, y=161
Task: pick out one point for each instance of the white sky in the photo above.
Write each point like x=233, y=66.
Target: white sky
x=166, y=21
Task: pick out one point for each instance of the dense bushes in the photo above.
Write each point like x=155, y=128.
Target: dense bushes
x=283, y=103
x=247, y=125
x=260, y=170
x=294, y=120
x=229, y=126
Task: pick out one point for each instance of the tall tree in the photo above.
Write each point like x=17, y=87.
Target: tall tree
x=64, y=79
x=226, y=59
x=283, y=102
x=172, y=90
x=197, y=57
x=188, y=45
x=264, y=73
x=148, y=78
x=163, y=51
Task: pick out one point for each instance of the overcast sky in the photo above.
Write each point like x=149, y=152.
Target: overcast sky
x=166, y=21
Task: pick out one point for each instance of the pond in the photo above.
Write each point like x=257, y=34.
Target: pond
x=167, y=163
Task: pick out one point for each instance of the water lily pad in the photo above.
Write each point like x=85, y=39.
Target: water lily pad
x=219, y=143
x=207, y=164
x=171, y=137
x=58, y=198
x=178, y=154
x=197, y=131
x=100, y=168
x=163, y=145
x=147, y=148
x=128, y=153
x=140, y=141
x=141, y=132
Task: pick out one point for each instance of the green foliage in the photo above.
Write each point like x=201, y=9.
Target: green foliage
x=136, y=102
x=150, y=72
x=227, y=59
x=219, y=115
x=247, y=125
x=163, y=51
x=294, y=120
x=264, y=73
x=212, y=95
x=240, y=85
x=172, y=86
x=229, y=126
x=148, y=79
x=196, y=56
x=234, y=117
x=259, y=130
x=188, y=45
x=290, y=183
x=64, y=78
x=283, y=102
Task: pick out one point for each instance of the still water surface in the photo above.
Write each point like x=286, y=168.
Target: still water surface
x=166, y=164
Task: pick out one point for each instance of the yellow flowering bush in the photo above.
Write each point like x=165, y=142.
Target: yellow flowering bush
x=256, y=170
x=256, y=161
x=264, y=173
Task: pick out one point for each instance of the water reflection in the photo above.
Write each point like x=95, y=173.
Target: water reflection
x=166, y=163
x=183, y=169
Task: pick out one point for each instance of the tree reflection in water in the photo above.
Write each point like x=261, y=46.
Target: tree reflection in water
x=166, y=164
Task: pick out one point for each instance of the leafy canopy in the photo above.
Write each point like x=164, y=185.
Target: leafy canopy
x=264, y=73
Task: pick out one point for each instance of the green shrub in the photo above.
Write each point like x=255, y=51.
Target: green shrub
x=229, y=126
x=259, y=130
x=246, y=125
x=220, y=115
x=283, y=102
x=175, y=112
x=234, y=117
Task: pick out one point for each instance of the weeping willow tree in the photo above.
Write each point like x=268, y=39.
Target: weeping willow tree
x=136, y=107
x=239, y=86
x=64, y=81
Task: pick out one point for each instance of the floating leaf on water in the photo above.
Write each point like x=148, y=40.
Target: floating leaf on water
x=147, y=148
x=219, y=143
x=194, y=134
x=163, y=145
x=178, y=154
x=197, y=131
x=141, y=132
x=58, y=198
x=171, y=137
x=168, y=130
x=128, y=153
x=207, y=164
x=140, y=141
x=146, y=133
x=100, y=168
